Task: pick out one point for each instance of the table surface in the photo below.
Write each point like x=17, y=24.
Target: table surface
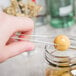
x=32, y=64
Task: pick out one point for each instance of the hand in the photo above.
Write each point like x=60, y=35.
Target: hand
x=8, y=26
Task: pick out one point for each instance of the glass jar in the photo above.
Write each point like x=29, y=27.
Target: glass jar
x=61, y=12
x=60, y=63
x=41, y=19
x=74, y=5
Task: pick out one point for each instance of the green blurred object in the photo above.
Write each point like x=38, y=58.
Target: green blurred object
x=19, y=0
x=61, y=12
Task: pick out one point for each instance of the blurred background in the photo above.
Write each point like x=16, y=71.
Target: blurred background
x=56, y=17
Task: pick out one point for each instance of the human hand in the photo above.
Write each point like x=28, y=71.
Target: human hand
x=8, y=26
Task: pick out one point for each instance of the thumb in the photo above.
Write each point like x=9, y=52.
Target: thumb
x=17, y=48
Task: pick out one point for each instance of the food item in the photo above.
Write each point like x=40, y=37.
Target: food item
x=62, y=42
x=20, y=14
x=67, y=74
x=54, y=72
x=18, y=8
x=48, y=71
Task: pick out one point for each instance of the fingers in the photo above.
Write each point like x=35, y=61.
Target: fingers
x=16, y=49
x=7, y=29
x=19, y=47
x=11, y=40
x=23, y=35
x=23, y=23
x=15, y=24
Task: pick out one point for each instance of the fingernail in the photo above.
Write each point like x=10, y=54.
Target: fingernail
x=22, y=32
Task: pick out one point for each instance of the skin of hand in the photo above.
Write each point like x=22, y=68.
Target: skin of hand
x=8, y=26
